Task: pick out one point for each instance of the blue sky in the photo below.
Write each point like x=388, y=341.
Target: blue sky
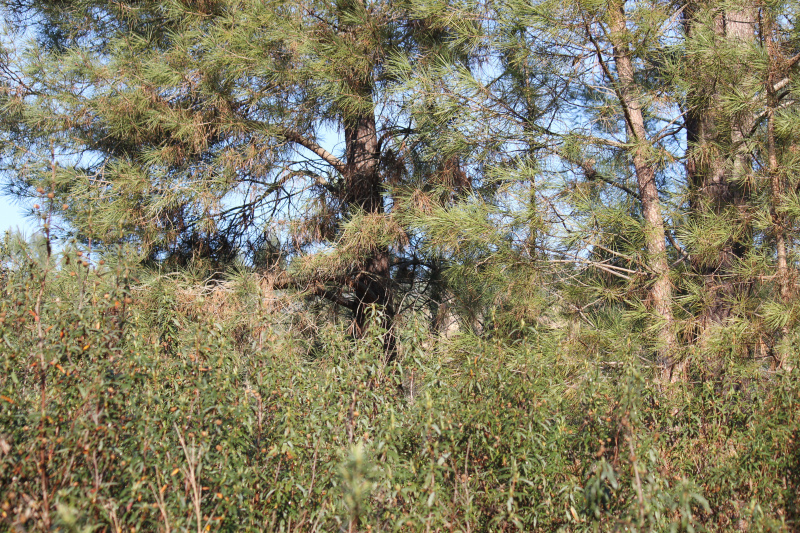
x=12, y=216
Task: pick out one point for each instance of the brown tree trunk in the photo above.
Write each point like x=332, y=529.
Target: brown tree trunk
x=717, y=162
x=776, y=180
x=626, y=88
x=362, y=190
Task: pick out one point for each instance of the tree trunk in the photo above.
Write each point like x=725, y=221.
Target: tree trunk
x=776, y=181
x=362, y=190
x=717, y=162
x=626, y=89
x=362, y=187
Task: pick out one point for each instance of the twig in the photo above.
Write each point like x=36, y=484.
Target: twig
x=159, y=497
x=193, y=460
x=638, y=479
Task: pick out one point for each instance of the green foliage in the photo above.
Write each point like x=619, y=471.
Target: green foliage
x=126, y=403
x=542, y=278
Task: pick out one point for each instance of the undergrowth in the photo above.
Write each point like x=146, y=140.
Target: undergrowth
x=136, y=401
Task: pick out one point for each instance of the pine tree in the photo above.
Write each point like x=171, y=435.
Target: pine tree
x=567, y=89
x=634, y=157
x=738, y=70
x=717, y=162
x=196, y=128
x=657, y=114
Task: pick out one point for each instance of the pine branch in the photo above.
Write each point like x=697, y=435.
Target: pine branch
x=316, y=288
x=591, y=174
x=310, y=144
x=613, y=81
x=776, y=88
x=684, y=255
x=614, y=270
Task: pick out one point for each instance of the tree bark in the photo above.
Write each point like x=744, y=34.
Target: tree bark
x=626, y=89
x=363, y=187
x=776, y=180
x=362, y=190
x=717, y=161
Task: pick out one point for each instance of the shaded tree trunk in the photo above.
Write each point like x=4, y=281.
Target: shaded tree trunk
x=717, y=163
x=362, y=190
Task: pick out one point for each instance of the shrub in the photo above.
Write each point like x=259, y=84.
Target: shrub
x=130, y=405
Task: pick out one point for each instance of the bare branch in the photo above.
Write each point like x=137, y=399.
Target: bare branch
x=310, y=144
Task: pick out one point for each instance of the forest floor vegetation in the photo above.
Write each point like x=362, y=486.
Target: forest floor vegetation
x=138, y=401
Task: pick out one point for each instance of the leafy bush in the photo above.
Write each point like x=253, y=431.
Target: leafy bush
x=130, y=401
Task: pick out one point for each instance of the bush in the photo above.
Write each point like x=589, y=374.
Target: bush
x=165, y=405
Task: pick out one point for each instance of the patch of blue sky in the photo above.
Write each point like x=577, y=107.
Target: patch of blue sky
x=12, y=216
